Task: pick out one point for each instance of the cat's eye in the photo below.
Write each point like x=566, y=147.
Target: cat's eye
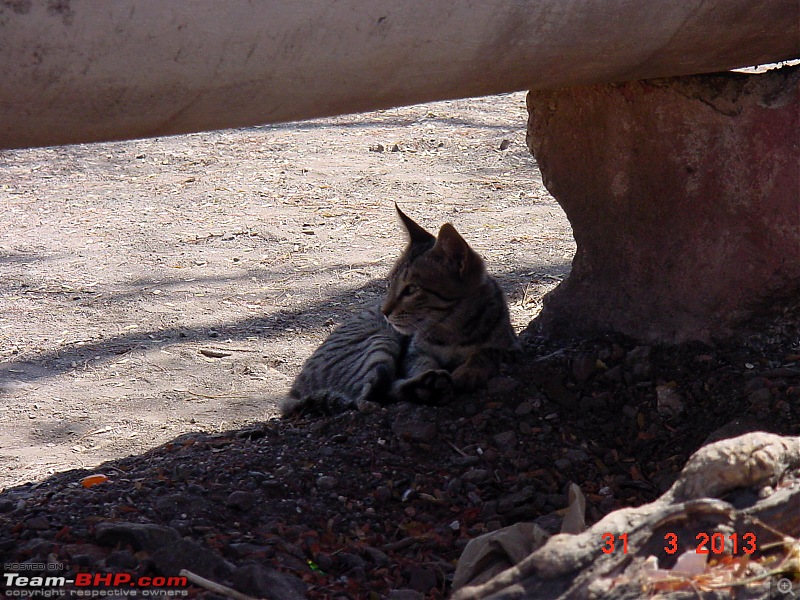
x=410, y=289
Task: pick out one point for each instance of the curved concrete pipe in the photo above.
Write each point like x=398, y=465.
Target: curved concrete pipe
x=83, y=70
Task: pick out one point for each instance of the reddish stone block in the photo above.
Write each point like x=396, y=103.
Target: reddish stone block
x=684, y=199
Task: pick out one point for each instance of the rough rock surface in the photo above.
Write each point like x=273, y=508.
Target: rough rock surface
x=757, y=475
x=684, y=198
x=761, y=492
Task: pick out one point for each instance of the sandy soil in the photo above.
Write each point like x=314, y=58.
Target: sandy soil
x=156, y=287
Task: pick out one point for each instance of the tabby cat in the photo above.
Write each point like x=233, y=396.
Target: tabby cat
x=443, y=328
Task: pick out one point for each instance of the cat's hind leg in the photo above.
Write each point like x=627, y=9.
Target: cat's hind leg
x=425, y=382
x=432, y=387
x=377, y=388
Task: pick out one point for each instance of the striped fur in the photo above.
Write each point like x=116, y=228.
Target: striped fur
x=442, y=328
x=356, y=364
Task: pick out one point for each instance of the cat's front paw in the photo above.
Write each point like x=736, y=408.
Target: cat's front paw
x=431, y=387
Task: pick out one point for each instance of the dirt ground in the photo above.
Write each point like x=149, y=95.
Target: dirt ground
x=159, y=296
x=156, y=287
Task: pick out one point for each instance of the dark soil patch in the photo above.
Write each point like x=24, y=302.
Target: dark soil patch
x=360, y=506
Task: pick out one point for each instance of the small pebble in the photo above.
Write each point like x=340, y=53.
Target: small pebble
x=476, y=476
x=669, y=402
x=525, y=408
x=506, y=440
x=38, y=523
x=240, y=500
x=326, y=482
x=759, y=396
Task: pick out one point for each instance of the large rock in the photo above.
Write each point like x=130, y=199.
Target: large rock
x=747, y=487
x=684, y=198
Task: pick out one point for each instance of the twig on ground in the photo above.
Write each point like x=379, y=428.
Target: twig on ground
x=212, y=586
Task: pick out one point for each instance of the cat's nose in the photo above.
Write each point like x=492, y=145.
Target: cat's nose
x=386, y=309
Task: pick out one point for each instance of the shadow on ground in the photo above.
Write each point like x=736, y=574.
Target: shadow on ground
x=316, y=315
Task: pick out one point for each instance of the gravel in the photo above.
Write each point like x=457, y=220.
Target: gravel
x=381, y=505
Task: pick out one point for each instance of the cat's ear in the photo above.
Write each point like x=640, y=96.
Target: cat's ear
x=457, y=252
x=416, y=234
